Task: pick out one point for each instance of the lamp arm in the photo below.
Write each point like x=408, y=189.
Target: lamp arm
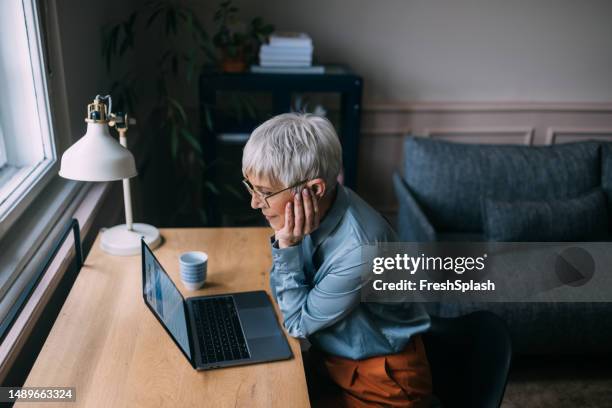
x=127, y=195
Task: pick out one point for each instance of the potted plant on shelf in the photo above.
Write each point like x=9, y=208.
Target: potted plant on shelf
x=238, y=44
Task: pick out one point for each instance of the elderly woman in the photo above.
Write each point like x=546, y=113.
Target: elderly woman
x=372, y=351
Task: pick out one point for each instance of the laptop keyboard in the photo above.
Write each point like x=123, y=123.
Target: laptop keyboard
x=219, y=331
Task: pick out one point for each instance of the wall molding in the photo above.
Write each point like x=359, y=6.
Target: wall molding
x=400, y=131
x=588, y=133
x=408, y=106
x=523, y=133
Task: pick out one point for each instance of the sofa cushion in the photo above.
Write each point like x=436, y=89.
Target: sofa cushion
x=541, y=172
x=449, y=179
x=584, y=218
x=606, y=175
x=413, y=225
x=460, y=236
x=445, y=180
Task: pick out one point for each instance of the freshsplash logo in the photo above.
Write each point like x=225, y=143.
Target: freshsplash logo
x=412, y=264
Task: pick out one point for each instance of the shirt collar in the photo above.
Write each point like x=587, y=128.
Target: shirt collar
x=332, y=218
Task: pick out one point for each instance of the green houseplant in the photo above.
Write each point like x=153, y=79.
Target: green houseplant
x=238, y=45
x=184, y=48
x=174, y=155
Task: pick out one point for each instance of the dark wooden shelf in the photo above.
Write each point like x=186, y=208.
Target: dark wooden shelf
x=337, y=79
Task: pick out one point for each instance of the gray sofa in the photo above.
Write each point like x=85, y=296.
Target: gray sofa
x=464, y=192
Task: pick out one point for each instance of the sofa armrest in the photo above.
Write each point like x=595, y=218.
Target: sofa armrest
x=413, y=225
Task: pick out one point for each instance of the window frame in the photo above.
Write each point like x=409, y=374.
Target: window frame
x=2, y=149
x=32, y=221
x=33, y=179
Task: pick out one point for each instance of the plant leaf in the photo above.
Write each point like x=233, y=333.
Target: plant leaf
x=170, y=21
x=235, y=192
x=208, y=118
x=203, y=216
x=174, y=142
x=174, y=64
x=177, y=105
x=132, y=19
x=190, y=64
x=153, y=16
x=211, y=187
x=191, y=140
x=198, y=26
x=165, y=56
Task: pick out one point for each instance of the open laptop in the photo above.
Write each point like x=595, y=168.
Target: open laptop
x=213, y=331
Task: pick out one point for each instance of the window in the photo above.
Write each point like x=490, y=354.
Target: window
x=27, y=144
x=34, y=201
x=2, y=152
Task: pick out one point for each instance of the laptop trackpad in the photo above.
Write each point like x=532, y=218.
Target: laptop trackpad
x=258, y=322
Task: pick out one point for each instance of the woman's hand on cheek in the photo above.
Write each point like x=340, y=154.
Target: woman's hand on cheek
x=301, y=218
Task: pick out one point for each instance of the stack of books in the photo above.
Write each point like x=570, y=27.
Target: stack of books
x=287, y=53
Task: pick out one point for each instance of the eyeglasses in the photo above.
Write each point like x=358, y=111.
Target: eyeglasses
x=263, y=196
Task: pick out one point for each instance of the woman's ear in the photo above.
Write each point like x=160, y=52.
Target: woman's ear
x=318, y=187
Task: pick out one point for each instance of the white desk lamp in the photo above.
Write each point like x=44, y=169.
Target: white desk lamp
x=98, y=157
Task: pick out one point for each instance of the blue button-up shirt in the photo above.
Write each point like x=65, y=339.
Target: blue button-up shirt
x=317, y=284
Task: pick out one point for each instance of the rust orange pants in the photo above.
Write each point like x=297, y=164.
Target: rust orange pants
x=395, y=380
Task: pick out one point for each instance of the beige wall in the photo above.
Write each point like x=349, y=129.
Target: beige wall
x=80, y=23
x=413, y=52
x=459, y=50
x=493, y=59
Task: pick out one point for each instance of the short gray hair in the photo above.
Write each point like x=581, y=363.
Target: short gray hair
x=293, y=147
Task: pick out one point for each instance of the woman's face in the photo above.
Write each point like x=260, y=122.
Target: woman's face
x=275, y=212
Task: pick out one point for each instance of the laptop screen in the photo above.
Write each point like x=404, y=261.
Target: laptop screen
x=165, y=299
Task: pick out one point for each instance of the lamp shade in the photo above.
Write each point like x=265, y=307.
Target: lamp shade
x=97, y=157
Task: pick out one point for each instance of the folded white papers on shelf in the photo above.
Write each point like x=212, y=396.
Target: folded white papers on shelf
x=313, y=69
x=284, y=50
x=293, y=39
x=288, y=50
x=280, y=63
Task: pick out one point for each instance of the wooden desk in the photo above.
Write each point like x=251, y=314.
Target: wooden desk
x=108, y=345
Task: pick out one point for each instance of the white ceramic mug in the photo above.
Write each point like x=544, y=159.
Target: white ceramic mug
x=193, y=269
